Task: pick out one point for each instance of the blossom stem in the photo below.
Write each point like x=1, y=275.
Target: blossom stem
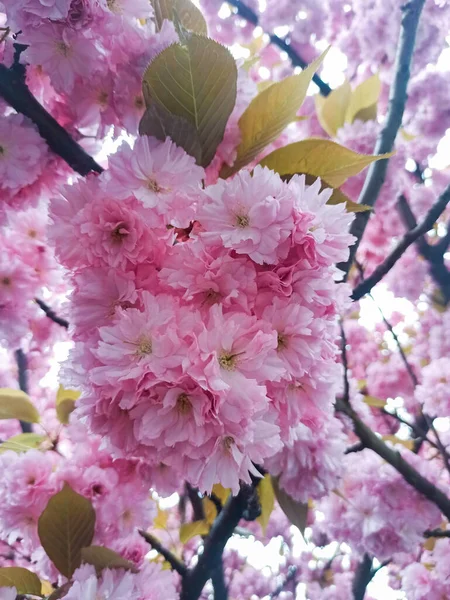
x=51, y=313
x=174, y=562
x=385, y=141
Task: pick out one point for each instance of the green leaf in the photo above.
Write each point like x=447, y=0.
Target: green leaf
x=65, y=403
x=323, y=158
x=267, y=500
x=15, y=404
x=374, y=402
x=195, y=80
x=189, y=530
x=184, y=11
x=269, y=113
x=104, y=558
x=161, y=124
x=364, y=100
x=338, y=197
x=23, y=442
x=296, y=512
x=331, y=109
x=65, y=527
x=22, y=579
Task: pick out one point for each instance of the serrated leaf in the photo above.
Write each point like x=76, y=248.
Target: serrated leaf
x=331, y=109
x=65, y=527
x=23, y=442
x=161, y=124
x=269, y=113
x=195, y=80
x=190, y=530
x=266, y=497
x=187, y=14
x=374, y=402
x=364, y=100
x=296, y=512
x=65, y=403
x=15, y=404
x=322, y=158
x=104, y=558
x=22, y=579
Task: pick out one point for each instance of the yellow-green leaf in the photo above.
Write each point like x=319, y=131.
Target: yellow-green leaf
x=296, y=512
x=267, y=500
x=269, y=113
x=160, y=521
x=396, y=440
x=210, y=510
x=331, y=109
x=47, y=587
x=22, y=579
x=23, y=442
x=104, y=558
x=65, y=527
x=338, y=197
x=190, y=530
x=374, y=402
x=364, y=100
x=65, y=403
x=187, y=14
x=195, y=80
x=221, y=492
x=322, y=158
x=15, y=404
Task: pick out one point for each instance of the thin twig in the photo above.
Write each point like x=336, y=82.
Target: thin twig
x=385, y=141
x=409, y=238
x=22, y=366
x=292, y=572
x=436, y=533
x=174, y=562
x=51, y=313
x=297, y=61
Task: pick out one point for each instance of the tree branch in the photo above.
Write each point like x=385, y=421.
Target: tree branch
x=174, y=562
x=409, y=238
x=385, y=141
x=292, y=572
x=22, y=365
x=15, y=92
x=218, y=582
x=436, y=533
x=297, y=61
x=363, y=576
x=51, y=314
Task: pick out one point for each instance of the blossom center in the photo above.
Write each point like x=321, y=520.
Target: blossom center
x=154, y=186
x=114, y=6
x=6, y=280
x=2, y=151
x=144, y=346
x=119, y=233
x=211, y=296
x=282, y=341
x=242, y=221
x=228, y=442
x=183, y=404
x=103, y=98
x=62, y=48
x=228, y=361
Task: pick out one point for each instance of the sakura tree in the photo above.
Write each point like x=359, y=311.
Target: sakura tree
x=224, y=281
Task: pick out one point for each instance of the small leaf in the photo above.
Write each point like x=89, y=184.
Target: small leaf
x=209, y=509
x=160, y=521
x=104, y=558
x=65, y=527
x=187, y=14
x=374, y=402
x=161, y=124
x=190, y=530
x=65, y=403
x=221, y=492
x=269, y=113
x=47, y=587
x=22, y=579
x=23, y=442
x=195, y=80
x=267, y=500
x=15, y=404
x=409, y=444
x=364, y=100
x=322, y=158
x=296, y=512
x=331, y=109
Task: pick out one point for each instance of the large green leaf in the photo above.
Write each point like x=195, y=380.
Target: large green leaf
x=15, y=404
x=269, y=113
x=331, y=109
x=183, y=11
x=161, y=124
x=104, y=558
x=65, y=403
x=296, y=512
x=195, y=80
x=22, y=442
x=364, y=100
x=322, y=158
x=267, y=500
x=65, y=527
x=22, y=579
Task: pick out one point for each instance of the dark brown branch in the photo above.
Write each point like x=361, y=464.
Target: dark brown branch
x=51, y=314
x=218, y=582
x=363, y=576
x=355, y=448
x=15, y=92
x=409, y=238
x=22, y=366
x=436, y=533
x=297, y=61
x=385, y=141
x=395, y=459
x=174, y=562
x=221, y=530
x=292, y=572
